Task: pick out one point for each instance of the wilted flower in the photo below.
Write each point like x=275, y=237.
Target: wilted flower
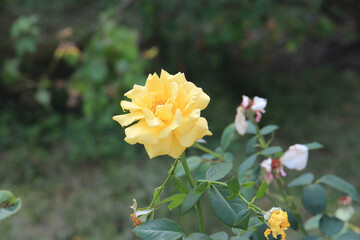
x=346, y=210
x=138, y=217
x=251, y=106
x=277, y=221
x=295, y=157
x=167, y=109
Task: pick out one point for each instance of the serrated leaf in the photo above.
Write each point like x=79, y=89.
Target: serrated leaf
x=314, y=199
x=173, y=197
x=159, y=229
x=330, y=225
x=193, y=162
x=340, y=184
x=219, y=236
x=218, y=171
x=271, y=150
x=242, y=219
x=247, y=164
x=201, y=172
x=226, y=210
x=177, y=202
x=192, y=197
x=313, y=222
x=262, y=189
x=227, y=136
x=268, y=129
x=251, y=128
x=228, y=157
x=304, y=179
x=179, y=185
x=314, y=145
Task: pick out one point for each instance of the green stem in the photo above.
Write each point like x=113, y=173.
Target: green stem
x=205, y=149
x=258, y=133
x=192, y=184
x=171, y=172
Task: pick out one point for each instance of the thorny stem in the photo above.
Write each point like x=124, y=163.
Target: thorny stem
x=205, y=149
x=192, y=184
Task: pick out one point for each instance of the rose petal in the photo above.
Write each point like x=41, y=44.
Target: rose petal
x=129, y=118
x=142, y=133
x=199, y=130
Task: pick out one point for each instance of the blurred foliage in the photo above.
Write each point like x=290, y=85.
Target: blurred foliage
x=65, y=65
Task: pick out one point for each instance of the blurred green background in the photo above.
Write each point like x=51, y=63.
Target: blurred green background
x=65, y=65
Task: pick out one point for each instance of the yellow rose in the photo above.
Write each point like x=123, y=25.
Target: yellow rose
x=168, y=113
x=278, y=221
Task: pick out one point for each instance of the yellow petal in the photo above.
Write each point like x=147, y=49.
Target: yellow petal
x=151, y=120
x=164, y=112
x=198, y=100
x=199, y=130
x=267, y=233
x=168, y=145
x=126, y=105
x=142, y=133
x=137, y=92
x=188, y=122
x=154, y=84
x=173, y=125
x=127, y=119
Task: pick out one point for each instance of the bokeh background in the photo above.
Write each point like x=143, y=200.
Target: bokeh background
x=65, y=65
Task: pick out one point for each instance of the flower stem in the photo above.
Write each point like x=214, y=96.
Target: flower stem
x=205, y=149
x=259, y=136
x=192, y=184
x=161, y=188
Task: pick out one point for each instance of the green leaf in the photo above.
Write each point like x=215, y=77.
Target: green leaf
x=159, y=229
x=228, y=157
x=313, y=222
x=330, y=225
x=339, y=184
x=193, y=162
x=179, y=185
x=314, y=199
x=350, y=235
x=271, y=150
x=219, y=236
x=227, y=136
x=233, y=187
x=192, y=197
x=197, y=236
x=239, y=238
x=172, y=198
x=242, y=219
x=304, y=179
x=314, y=145
x=251, y=128
x=251, y=145
x=247, y=164
x=226, y=210
x=247, y=184
x=312, y=237
x=268, y=129
x=9, y=204
x=262, y=189
x=218, y=171
x=177, y=202
x=254, y=222
x=201, y=172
